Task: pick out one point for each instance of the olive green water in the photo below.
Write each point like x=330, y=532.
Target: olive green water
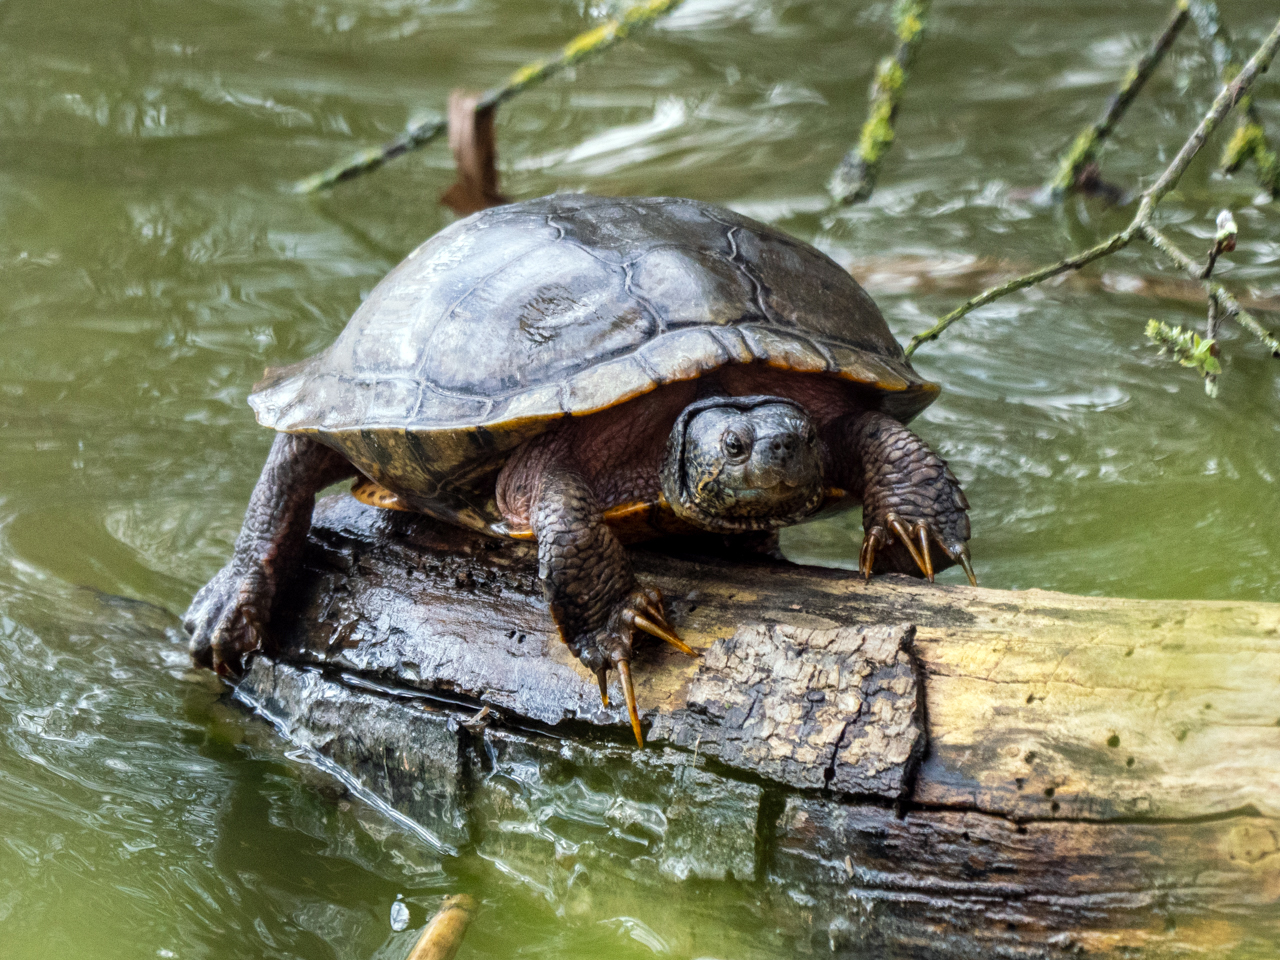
x=152, y=262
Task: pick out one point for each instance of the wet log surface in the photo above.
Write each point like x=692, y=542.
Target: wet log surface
x=895, y=769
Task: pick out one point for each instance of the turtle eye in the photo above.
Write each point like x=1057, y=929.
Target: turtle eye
x=735, y=445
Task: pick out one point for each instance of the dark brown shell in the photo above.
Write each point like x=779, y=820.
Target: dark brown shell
x=519, y=315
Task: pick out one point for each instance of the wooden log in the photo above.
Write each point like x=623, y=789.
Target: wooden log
x=897, y=767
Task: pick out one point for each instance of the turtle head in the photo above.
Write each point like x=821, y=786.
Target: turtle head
x=736, y=464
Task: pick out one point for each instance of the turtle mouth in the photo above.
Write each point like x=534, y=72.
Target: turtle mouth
x=781, y=496
x=774, y=491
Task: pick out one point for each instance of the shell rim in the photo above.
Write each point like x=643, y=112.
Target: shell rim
x=926, y=390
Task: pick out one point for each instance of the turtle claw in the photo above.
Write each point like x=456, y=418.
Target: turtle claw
x=919, y=539
x=661, y=630
x=655, y=623
x=642, y=610
x=922, y=534
x=654, y=630
x=873, y=541
x=225, y=622
x=906, y=535
x=650, y=598
x=611, y=646
x=629, y=692
x=957, y=552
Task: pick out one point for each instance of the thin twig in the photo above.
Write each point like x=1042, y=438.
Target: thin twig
x=1249, y=141
x=1227, y=97
x=1117, y=242
x=584, y=45
x=855, y=177
x=1086, y=145
x=1227, y=307
x=1224, y=241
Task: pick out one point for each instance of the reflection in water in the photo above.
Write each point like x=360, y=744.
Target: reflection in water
x=152, y=263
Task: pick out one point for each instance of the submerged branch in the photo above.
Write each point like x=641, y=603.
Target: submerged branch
x=1228, y=96
x=1082, y=152
x=855, y=178
x=475, y=156
x=584, y=45
x=443, y=935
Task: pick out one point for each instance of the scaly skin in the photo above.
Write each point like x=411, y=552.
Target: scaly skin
x=584, y=570
x=227, y=617
x=595, y=600
x=913, y=510
x=560, y=483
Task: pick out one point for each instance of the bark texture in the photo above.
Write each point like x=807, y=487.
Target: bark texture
x=895, y=769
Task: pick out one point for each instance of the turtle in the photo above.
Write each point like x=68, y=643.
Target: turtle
x=588, y=372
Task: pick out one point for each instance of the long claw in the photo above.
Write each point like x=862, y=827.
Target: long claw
x=653, y=605
x=602, y=675
x=922, y=534
x=867, y=556
x=904, y=534
x=662, y=633
x=624, y=670
x=963, y=559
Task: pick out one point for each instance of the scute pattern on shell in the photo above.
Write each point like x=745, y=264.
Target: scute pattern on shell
x=521, y=314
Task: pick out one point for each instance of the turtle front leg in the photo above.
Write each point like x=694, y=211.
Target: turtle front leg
x=914, y=514
x=595, y=600
x=227, y=616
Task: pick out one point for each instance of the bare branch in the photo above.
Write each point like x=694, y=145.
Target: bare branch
x=1109, y=246
x=1227, y=98
x=584, y=45
x=1140, y=225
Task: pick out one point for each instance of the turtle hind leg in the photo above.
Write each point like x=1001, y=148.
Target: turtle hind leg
x=595, y=600
x=914, y=514
x=227, y=616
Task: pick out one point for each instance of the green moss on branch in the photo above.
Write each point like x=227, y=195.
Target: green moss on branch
x=1087, y=143
x=854, y=179
x=1249, y=141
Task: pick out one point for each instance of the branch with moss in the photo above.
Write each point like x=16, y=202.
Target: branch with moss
x=1142, y=227
x=855, y=178
x=584, y=45
x=1249, y=141
x=1074, y=164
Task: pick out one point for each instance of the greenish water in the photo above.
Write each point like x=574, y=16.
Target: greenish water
x=152, y=263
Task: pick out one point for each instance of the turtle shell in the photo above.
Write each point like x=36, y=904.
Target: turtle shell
x=505, y=322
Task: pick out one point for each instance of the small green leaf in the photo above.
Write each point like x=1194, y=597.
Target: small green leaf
x=1188, y=348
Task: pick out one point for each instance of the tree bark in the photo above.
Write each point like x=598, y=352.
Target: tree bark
x=908, y=769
